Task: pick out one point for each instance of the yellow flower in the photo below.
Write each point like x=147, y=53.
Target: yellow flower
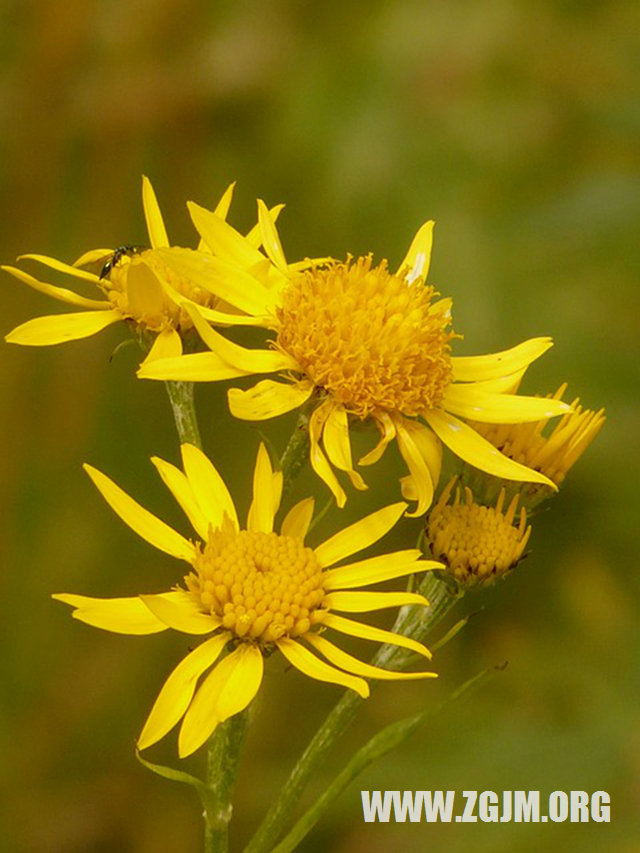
x=477, y=544
x=254, y=591
x=364, y=344
x=134, y=284
x=555, y=452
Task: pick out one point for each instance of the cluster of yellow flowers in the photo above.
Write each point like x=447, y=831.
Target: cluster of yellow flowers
x=348, y=342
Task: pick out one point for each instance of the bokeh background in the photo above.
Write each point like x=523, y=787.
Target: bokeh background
x=515, y=125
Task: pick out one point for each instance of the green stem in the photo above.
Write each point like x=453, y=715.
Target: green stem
x=222, y=767
x=278, y=818
x=184, y=413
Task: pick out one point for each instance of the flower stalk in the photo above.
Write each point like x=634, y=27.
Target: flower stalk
x=279, y=817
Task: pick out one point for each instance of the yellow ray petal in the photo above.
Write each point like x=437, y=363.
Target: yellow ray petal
x=254, y=236
x=222, y=239
x=168, y=344
x=93, y=256
x=476, y=404
x=376, y=569
x=144, y=290
x=60, y=266
x=177, y=692
x=250, y=360
x=317, y=458
x=477, y=451
x=59, y=293
x=268, y=399
x=478, y=367
x=119, y=615
x=271, y=238
x=345, y=661
x=155, y=223
x=420, y=474
x=418, y=257
x=139, y=519
x=377, y=635
x=312, y=666
x=181, y=613
x=263, y=506
x=222, y=207
x=193, y=367
x=360, y=535
x=60, y=328
x=387, y=433
x=225, y=692
x=336, y=442
x=361, y=602
x=297, y=520
x=215, y=275
x=180, y=488
x=209, y=488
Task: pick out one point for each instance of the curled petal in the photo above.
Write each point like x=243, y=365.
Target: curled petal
x=345, y=661
x=475, y=368
x=119, y=615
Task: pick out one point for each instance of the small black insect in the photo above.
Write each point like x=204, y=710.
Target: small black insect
x=115, y=257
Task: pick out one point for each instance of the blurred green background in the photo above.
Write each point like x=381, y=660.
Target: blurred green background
x=515, y=125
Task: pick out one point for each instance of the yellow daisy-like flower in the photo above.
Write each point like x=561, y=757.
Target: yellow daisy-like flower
x=135, y=285
x=478, y=544
x=366, y=344
x=552, y=452
x=254, y=591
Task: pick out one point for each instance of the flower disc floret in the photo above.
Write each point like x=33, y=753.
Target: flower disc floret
x=369, y=338
x=478, y=544
x=262, y=586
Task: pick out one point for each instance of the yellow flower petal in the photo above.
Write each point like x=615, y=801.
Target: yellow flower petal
x=361, y=602
x=181, y=613
x=416, y=261
x=480, y=405
x=254, y=236
x=250, y=360
x=60, y=328
x=217, y=276
x=140, y=520
x=420, y=474
x=478, y=367
x=180, y=488
x=225, y=692
x=208, y=487
x=297, y=520
x=193, y=367
x=120, y=615
x=59, y=293
x=335, y=436
x=145, y=294
x=222, y=207
x=177, y=692
x=222, y=239
x=477, y=451
x=317, y=458
x=168, y=344
x=270, y=238
x=155, y=224
x=60, y=266
x=312, y=666
x=376, y=569
x=359, y=535
x=345, y=661
x=263, y=507
x=377, y=635
x=268, y=399
x=387, y=433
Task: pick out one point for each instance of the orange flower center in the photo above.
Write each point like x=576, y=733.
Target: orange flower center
x=261, y=585
x=370, y=339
